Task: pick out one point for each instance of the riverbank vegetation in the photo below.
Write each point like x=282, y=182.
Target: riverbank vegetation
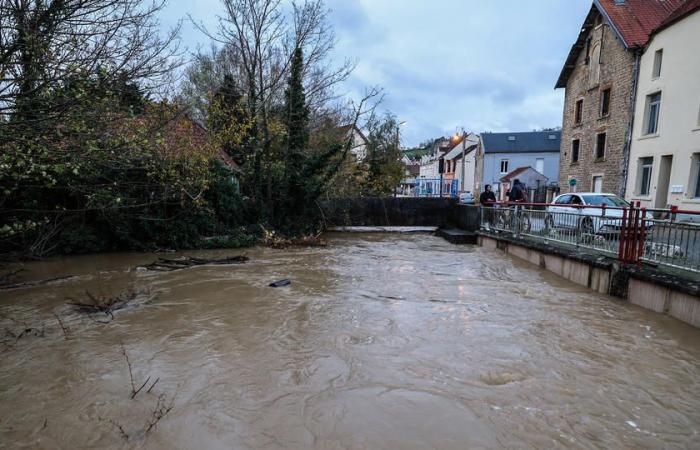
x=102, y=149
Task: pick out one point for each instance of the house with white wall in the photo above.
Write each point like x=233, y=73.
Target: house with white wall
x=501, y=153
x=460, y=169
x=664, y=161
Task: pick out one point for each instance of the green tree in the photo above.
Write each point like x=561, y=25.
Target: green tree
x=296, y=124
x=383, y=163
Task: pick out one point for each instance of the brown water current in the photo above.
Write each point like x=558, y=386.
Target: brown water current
x=380, y=342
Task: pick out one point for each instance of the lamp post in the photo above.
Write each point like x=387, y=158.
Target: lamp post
x=398, y=141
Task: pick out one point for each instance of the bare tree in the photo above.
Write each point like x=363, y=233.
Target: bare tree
x=44, y=43
x=263, y=35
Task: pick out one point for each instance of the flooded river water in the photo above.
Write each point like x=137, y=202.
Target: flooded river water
x=380, y=342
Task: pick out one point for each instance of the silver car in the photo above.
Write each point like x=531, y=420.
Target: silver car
x=583, y=211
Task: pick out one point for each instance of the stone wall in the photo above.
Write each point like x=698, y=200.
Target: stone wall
x=617, y=73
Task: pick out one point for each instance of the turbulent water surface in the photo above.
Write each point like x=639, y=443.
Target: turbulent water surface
x=380, y=342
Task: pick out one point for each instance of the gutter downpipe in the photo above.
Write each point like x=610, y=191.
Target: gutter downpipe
x=630, y=127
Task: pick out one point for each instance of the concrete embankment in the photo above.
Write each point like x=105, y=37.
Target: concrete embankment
x=650, y=288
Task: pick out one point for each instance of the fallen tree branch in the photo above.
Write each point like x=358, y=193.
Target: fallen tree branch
x=66, y=330
x=29, y=284
x=169, y=265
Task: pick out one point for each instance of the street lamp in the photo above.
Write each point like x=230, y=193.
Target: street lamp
x=398, y=141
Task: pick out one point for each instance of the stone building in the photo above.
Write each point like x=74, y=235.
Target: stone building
x=600, y=77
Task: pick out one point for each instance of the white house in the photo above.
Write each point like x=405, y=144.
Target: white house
x=664, y=161
x=359, y=141
x=463, y=170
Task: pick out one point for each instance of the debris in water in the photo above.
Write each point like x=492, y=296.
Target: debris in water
x=105, y=304
x=169, y=265
x=35, y=283
x=280, y=283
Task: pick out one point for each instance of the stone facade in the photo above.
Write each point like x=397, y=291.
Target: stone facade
x=617, y=73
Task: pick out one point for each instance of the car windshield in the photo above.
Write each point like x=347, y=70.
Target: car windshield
x=607, y=200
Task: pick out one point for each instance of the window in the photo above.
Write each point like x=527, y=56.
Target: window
x=608, y=200
x=575, y=146
x=695, y=176
x=644, y=175
x=594, y=74
x=588, y=50
x=651, y=117
x=539, y=165
x=504, y=166
x=578, y=112
x=600, y=145
x=605, y=103
x=597, y=183
x=563, y=200
x=658, y=59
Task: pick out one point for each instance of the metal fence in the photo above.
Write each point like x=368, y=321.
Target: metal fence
x=632, y=234
x=436, y=187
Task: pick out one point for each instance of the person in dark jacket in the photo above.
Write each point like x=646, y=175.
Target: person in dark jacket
x=517, y=192
x=487, y=198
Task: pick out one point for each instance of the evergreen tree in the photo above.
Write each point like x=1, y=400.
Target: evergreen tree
x=296, y=123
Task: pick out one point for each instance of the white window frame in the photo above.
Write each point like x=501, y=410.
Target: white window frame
x=648, y=114
x=593, y=178
x=501, y=166
x=658, y=64
x=694, y=182
x=645, y=164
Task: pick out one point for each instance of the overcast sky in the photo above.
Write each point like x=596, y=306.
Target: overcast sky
x=446, y=64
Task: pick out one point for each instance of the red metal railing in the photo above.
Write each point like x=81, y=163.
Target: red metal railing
x=633, y=234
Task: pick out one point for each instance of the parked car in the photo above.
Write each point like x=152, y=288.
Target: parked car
x=466, y=198
x=583, y=211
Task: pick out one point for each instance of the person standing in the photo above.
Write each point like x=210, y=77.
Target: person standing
x=517, y=192
x=487, y=198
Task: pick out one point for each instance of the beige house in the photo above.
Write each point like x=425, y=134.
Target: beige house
x=664, y=163
x=599, y=76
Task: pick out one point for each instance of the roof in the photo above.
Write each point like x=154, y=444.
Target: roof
x=347, y=128
x=528, y=142
x=456, y=152
x=633, y=21
x=519, y=171
x=683, y=11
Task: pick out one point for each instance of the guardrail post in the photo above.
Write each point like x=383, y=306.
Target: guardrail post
x=623, y=235
x=642, y=237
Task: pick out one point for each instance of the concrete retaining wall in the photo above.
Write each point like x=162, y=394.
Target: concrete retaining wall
x=649, y=289
x=390, y=212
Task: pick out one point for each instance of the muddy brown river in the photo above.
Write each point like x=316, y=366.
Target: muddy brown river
x=380, y=342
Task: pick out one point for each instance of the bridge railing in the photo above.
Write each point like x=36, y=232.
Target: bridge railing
x=631, y=234
x=436, y=187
